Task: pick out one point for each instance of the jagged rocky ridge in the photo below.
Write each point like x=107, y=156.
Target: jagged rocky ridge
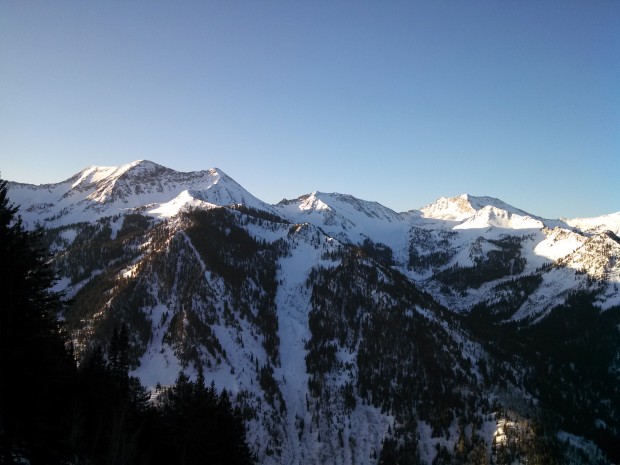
x=465, y=332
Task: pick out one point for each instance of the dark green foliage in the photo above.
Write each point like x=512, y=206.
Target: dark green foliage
x=270, y=387
x=229, y=250
x=118, y=355
x=199, y=426
x=260, y=214
x=337, y=306
x=508, y=297
x=407, y=364
x=36, y=372
x=321, y=357
x=378, y=251
x=181, y=284
x=567, y=361
x=400, y=447
x=187, y=332
x=110, y=411
x=248, y=266
x=410, y=366
x=134, y=227
x=431, y=260
x=428, y=250
x=115, y=424
x=105, y=303
x=94, y=247
x=350, y=401
x=504, y=261
x=579, y=344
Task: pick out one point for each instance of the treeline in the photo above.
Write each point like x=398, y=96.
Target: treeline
x=115, y=421
x=428, y=250
x=406, y=364
x=53, y=411
x=505, y=260
x=247, y=265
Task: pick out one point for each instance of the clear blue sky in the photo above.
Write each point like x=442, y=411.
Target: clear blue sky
x=398, y=102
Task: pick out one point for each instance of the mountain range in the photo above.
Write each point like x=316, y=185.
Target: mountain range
x=468, y=331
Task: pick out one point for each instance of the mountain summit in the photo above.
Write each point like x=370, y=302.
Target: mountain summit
x=99, y=191
x=465, y=206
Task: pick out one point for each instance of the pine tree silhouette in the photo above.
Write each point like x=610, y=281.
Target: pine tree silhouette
x=36, y=372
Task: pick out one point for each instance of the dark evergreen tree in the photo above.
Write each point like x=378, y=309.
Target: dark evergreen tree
x=201, y=426
x=118, y=356
x=36, y=372
x=112, y=410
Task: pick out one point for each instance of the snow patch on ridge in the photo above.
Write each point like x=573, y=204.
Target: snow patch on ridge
x=559, y=243
x=181, y=202
x=492, y=216
x=598, y=224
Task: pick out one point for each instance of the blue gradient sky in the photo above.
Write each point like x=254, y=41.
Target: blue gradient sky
x=398, y=102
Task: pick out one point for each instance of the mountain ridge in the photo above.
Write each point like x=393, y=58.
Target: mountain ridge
x=448, y=208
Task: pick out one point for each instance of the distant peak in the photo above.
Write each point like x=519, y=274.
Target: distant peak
x=464, y=206
x=143, y=166
x=450, y=208
x=300, y=199
x=218, y=172
x=144, y=163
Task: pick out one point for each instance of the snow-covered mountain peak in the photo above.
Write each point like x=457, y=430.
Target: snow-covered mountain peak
x=344, y=204
x=99, y=191
x=346, y=217
x=98, y=174
x=108, y=183
x=465, y=206
x=313, y=202
x=449, y=208
x=480, y=202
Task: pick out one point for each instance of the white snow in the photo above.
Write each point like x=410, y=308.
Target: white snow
x=68, y=235
x=158, y=364
x=348, y=219
x=597, y=224
x=181, y=202
x=559, y=243
x=492, y=216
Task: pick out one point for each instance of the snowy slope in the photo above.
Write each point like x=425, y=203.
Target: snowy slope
x=345, y=217
x=598, y=224
x=594, y=266
x=490, y=216
x=465, y=232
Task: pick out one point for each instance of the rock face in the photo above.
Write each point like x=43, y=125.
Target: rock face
x=465, y=332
